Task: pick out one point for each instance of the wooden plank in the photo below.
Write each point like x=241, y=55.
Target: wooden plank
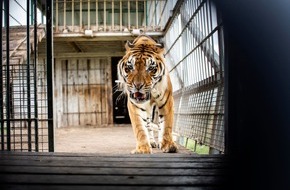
x=192, y=156
x=92, y=93
x=111, y=180
x=83, y=92
x=110, y=103
x=64, y=121
x=112, y=164
x=109, y=171
x=100, y=187
x=172, y=158
x=104, y=109
x=58, y=95
x=98, y=92
x=19, y=170
x=72, y=93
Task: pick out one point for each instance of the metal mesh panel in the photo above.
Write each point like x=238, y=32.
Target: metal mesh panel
x=23, y=86
x=195, y=56
x=22, y=131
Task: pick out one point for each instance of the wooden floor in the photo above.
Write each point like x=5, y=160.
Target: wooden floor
x=95, y=171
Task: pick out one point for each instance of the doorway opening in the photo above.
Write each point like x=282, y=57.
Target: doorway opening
x=120, y=111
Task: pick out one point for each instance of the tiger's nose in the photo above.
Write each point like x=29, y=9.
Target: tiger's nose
x=138, y=85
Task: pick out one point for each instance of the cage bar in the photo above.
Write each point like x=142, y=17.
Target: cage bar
x=1, y=80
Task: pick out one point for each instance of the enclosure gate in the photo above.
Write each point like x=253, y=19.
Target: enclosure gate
x=25, y=84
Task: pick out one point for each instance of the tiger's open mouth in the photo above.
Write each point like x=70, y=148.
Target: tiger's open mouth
x=139, y=97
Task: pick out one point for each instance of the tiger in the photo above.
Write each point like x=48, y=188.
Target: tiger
x=144, y=78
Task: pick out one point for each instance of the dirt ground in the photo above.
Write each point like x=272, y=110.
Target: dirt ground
x=116, y=139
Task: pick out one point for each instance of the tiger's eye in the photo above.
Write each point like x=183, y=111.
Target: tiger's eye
x=151, y=68
x=130, y=67
x=154, y=70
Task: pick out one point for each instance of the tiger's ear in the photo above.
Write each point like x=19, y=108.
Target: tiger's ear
x=159, y=48
x=129, y=45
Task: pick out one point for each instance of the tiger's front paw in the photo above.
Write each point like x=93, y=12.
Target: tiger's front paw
x=168, y=147
x=153, y=143
x=144, y=149
x=155, y=93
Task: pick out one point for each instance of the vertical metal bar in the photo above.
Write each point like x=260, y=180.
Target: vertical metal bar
x=145, y=14
x=81, y=14
x=28, y=75
x=105, y=14
x=155, y=13
x=32, y=14
x=113, y=12
x=64, y=14
x=49, y=78
x=1, y=79
x=73, y=14
x=56, y=15
x=97, y=15
x=129, y=22
x=136, y=14
x=35, y=78
x=121, y=15
x=6, y=7
x=224, y=88
x=89, y=15
x=22, y=97
x=213, y=69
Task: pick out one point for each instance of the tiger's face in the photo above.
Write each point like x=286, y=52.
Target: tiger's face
x=140, y=69
x=140, y=74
